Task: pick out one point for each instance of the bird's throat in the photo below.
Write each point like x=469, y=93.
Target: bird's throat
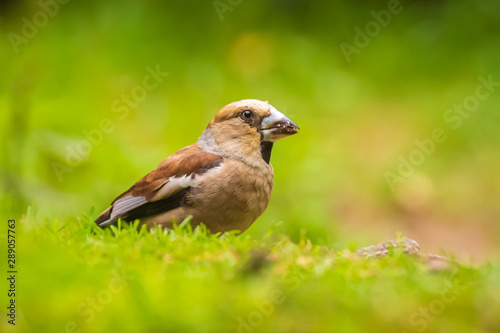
x=266, y=149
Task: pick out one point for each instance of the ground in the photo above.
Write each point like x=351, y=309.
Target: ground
x=75, y=277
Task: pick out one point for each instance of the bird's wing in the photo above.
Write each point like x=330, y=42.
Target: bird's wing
x=162, y=189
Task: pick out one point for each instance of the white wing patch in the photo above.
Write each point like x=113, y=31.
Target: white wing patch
x=123, y=205
x=126, y=204
x=173, y=185
x=170, y=187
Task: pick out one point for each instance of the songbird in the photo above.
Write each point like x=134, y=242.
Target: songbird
x=223, y=181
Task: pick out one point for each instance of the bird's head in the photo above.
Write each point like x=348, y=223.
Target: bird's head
x=245, y=128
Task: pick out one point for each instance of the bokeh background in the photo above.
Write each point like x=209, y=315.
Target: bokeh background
x=72, y=70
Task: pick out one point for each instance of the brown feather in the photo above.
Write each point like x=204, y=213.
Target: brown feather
x=224, y=180
x=189, y=161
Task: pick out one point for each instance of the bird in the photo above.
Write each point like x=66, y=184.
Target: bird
x=224, y=180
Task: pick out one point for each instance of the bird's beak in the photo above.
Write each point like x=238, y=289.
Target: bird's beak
x=277, y=126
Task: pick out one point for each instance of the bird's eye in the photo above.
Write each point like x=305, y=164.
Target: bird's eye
x=246, y=115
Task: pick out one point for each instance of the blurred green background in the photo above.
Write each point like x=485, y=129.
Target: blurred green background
x=67, y=72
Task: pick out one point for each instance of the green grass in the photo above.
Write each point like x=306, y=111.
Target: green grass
x=357, y=120
x=75, y=277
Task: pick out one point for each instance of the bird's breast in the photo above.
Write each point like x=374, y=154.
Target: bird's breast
x=233, y=196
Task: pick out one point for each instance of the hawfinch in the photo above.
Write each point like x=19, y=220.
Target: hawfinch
x=224, y=180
